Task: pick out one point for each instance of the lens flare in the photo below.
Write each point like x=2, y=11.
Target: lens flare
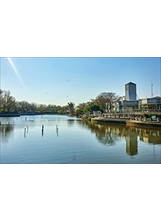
x=16, y=72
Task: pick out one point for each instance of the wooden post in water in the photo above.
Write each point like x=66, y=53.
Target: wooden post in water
x=57, y=130
x=42, y=130
x=24, y=132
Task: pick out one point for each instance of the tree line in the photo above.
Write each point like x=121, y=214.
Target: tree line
x=103, y=103
x=9, y=104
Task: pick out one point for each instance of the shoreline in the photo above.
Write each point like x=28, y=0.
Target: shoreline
x=26, y=114
x=110, y=120
x=10, y=115
x=127, y=122
x=143, y=124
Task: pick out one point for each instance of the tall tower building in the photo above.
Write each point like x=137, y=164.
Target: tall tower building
x=130, y=91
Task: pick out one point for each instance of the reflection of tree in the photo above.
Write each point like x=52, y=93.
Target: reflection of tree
x=105, y=134
x=5, y=132
x=109, y=134
x=71, y=122
x=107, y=138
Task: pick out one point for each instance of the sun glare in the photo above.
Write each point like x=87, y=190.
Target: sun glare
x=16, y=72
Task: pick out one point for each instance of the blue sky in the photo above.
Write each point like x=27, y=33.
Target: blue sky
x=52, y=80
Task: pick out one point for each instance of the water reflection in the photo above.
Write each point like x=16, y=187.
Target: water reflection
x=111, y=134
x=131, y=144
x=6, y=131
x=71, y=122
x=107, y=134
x=150, y=136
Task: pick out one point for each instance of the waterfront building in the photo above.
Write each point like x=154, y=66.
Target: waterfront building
x=150, y=104
x=130, y=103
x=130, y=91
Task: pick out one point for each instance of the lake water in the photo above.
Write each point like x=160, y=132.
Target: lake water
x=66, y=140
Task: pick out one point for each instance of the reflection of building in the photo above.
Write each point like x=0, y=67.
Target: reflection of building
x=151, y=136
x=131, y=144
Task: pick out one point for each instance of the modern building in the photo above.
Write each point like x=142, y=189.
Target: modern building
x=130, y=103
x=150, y=104
x=130, y=91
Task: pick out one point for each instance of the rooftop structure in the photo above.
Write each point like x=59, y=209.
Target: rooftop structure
x=130, y=91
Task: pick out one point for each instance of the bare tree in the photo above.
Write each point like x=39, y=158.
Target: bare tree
x=106, y=99
x=1, y=99
x=9, y=102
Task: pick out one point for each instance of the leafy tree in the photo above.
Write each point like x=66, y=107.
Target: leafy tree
x=63, y=110
x=41, y=108
x=71, y=107
x=81, y=109
x=91, y=107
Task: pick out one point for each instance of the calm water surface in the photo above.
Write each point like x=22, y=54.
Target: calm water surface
x=68, y=140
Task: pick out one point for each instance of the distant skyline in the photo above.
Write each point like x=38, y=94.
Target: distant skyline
x=59, y=80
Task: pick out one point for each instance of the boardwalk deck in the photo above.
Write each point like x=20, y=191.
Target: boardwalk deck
x=127, y=122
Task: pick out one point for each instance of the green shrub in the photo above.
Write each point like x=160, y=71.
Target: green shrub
x=146, y=115
x=89, y=118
